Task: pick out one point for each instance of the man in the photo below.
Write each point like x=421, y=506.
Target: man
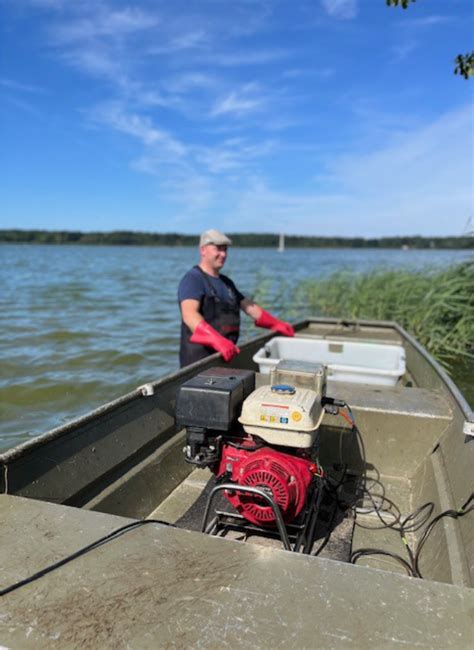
x=210, y=306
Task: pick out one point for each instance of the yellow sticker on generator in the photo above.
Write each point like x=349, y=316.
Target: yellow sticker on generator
x=296, y=416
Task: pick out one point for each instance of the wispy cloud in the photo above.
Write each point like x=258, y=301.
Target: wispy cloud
x=97, y=39
x=20, y=103
x=190, y=81
x=242, y=101
x=411, y=34
x=20, y=95
x=98, y=61
x=426, y=21
x=138, y=126
x=422, y=184
x=19, y=86
x=256, y=57
x=104, y=23
x=185, y=41
x=341, y=9
x=402, y=50
x=170, y=160
x=233, y=154
x=298, y=73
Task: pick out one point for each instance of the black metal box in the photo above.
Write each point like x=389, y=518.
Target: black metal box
x=213, y=398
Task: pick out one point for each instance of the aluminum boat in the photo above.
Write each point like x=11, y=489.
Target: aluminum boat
x=112, y=538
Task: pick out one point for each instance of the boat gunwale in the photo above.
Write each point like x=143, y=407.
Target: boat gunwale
x=141, y=391
x=441, y=372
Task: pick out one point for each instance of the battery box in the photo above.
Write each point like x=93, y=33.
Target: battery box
x=212, y=400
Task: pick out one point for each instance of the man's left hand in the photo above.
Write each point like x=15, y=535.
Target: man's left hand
x=270, y=322
x=282, y=327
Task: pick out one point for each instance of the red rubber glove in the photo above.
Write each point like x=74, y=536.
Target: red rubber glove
x=272, y=323
x=204, y=334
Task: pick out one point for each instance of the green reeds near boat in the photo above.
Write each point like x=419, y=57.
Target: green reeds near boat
x=436, y=307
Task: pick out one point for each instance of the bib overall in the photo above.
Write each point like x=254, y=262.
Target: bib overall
x=223, y=316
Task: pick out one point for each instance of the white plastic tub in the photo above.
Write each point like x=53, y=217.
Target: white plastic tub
x=362, y=363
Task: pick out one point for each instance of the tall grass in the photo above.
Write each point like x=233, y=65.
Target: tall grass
x=436, y=307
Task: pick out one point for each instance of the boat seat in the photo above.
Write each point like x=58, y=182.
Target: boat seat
x=396, y=400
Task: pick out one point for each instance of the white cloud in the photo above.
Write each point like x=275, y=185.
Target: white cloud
x=298, y=73
x=21, y=87
x=256, y=57
x=191, y=81
x=103, y=23
x=20, y=95
x=97, y=61
x=427, y=21
x=246, y=99
x=185, y=41
x=411, y=35
x=101, y=41
x=116, y=117
x=21, y=104
x=341, y=9
x=233, y=154
x=420, y=185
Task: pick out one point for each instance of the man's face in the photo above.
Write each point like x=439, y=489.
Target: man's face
x=214, y=256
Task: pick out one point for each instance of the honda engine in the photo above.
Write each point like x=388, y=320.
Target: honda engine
x=265, y=439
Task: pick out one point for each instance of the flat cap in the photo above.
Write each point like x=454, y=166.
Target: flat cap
x=214, y=237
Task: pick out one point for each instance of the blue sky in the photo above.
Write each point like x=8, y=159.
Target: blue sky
x=321, y=117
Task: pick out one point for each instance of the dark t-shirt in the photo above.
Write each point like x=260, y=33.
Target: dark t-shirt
x=195, y=285
x=219, y=303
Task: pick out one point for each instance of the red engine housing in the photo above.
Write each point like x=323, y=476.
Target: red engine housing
x=285, y=477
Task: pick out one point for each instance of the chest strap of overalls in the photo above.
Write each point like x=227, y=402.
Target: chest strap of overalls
x=208, y=283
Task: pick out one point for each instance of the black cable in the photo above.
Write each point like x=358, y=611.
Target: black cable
x=82, y=551
x=377, y=551
x=337, y=505
x=415, y=556
x=378, y=509
x=411, y=523
x=328, y=532
x=416, y=525
x=454, y=514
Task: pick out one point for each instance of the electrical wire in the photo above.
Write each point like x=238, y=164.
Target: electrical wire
x=454, y=514
x=82, y=551
x=408, y=524
x=337, y=505
x=361, y=552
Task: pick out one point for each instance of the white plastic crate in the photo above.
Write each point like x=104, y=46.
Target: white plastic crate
x=353, y=361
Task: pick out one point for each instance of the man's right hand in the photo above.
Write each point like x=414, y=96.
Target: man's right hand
x=204, y=334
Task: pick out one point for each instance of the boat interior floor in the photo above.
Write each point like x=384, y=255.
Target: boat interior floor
x=185, y=508
x=338, y=530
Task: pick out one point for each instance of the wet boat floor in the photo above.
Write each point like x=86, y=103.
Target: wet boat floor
x=333, y=533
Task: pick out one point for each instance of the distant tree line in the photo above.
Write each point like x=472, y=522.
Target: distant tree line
x=265, y=240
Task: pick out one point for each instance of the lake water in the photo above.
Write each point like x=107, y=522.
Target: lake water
x=82, y=325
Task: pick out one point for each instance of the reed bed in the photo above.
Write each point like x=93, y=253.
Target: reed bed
x=437, y=307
